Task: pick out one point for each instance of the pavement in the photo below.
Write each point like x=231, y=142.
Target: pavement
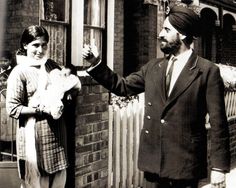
x=230, y=180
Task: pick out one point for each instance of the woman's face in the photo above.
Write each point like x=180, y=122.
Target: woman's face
x=37, y=49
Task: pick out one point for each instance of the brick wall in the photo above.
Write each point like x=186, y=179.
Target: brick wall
x=20, y=14
x=119, y=36
x=140, y=31
x=91, y=135
x=228, y=55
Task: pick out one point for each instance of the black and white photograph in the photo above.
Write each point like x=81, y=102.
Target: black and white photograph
x=118, y=94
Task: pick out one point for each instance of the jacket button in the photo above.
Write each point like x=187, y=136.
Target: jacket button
x=146, y=131
x=149, y=103
x=148, y=117
x=162, y=121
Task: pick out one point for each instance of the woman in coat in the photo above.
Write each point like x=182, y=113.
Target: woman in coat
x=41, y=140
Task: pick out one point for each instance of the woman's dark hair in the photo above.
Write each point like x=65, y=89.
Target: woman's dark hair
x=30, y=34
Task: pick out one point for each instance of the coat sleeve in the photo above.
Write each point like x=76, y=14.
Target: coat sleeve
x=15, y=96
x=122, y=86
x=219, y=132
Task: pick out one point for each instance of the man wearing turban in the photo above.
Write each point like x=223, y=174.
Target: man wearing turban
x=180, y=90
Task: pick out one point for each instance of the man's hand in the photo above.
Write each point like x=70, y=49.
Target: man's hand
x=217, y=179
x=90, y=53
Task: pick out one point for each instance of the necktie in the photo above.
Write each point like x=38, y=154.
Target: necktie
x=169, y=74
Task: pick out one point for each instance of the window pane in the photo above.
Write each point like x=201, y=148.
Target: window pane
x=54, y=10
x=94, y=23
x=93, y=35
x=94, y=12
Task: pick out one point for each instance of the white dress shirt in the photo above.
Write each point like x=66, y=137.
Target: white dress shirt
x=179, y=64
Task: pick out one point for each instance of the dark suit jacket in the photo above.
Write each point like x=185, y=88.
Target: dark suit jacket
x=173, y=141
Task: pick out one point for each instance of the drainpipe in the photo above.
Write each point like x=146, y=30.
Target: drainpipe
x=219, y=33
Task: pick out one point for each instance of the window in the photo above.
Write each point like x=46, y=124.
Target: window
x=94, y=23
x=54, y=10
x=89, y=24
x=54, y=16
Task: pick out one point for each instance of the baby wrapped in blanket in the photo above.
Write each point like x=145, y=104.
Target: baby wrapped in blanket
x=51, y=86
x=49, y=99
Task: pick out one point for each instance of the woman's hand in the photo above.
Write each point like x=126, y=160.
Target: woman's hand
x=40, y=110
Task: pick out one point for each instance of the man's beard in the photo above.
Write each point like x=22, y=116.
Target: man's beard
x=170, y=47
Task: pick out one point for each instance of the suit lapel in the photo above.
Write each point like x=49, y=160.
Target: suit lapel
x=186, y=77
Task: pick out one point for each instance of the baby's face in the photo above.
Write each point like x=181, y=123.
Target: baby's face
x=65, y=72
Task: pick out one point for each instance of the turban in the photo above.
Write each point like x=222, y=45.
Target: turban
x=185, y=21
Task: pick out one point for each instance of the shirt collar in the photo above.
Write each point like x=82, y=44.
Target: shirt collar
x=183, y=57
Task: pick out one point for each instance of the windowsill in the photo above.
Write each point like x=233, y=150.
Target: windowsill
x=8, y=164
x=54, y=22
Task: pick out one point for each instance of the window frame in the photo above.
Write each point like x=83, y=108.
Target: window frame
x=77, y=32
x=58, y=31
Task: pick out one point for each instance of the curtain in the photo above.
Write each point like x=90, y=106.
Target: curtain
x=94, y=18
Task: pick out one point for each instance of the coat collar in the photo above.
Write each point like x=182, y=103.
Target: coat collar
x=186, y=77
x=188, y=74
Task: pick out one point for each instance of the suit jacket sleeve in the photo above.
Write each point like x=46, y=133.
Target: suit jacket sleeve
x=219, y=132
x=131, y=85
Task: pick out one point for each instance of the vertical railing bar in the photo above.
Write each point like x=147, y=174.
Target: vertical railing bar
x=130, y=143
x=123, y=151
x=110, y=148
